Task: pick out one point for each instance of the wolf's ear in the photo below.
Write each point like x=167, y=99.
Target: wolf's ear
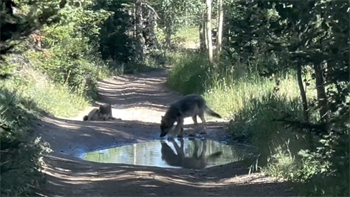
x=162, y=117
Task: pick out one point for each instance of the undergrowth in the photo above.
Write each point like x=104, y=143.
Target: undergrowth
x=188, y=73
x=53, y=98
x=20, y=153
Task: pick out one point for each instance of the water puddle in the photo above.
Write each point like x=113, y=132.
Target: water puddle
x=190, y=153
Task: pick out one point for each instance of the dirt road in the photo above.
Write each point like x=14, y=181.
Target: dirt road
x=139, y=100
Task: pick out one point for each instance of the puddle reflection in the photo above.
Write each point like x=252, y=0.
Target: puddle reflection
x=190, y=153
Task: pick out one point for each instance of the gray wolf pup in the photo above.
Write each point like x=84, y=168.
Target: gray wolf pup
x=104, y=112
x=191, y=105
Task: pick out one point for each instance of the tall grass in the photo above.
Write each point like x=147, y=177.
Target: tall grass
x=231, y=98
x=188, y=73
x=53, y=98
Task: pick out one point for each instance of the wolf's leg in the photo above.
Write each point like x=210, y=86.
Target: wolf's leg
x=194, y=118
x=179, y=127
x=105, y=118
x=201, y=116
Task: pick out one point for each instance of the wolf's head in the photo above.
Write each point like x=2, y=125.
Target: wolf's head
x=165, y=125
x=103, y=109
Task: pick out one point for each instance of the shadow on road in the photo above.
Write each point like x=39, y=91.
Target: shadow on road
x=69, y=178
x=141, y=90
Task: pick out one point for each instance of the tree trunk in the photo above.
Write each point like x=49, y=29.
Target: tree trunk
x=303, y=94
x=168, y=27
x=168, y=31
x=134, y=17
x=220, y=27
x=308, y=135
x=204, y=27
x=202, y=37
x=208, y=28
x=140, y=45
x=321, y=92
x=152, y=28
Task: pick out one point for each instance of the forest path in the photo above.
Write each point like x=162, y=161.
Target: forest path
x=139, y=101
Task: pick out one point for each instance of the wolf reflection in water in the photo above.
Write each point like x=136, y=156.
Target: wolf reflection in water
x=178, y=153
x=179, y=159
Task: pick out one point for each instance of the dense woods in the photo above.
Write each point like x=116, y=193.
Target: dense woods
x=278, y=71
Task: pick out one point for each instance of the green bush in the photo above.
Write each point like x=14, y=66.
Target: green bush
x=21, y=153
x=256, y=122
x=189, y=73
x=53, y=98
x=69, y=58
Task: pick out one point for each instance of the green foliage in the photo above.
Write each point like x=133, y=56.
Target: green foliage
x=187, y=37
x=252, y=105
x=69, y=59
x=238, y=94
x=14, y=27
x=310, y=149
x=175, y=15
x=20, y=154
x=71, y=65
x=325, y=43
x=48, y=96
x=256, y=122
x=245, y=28
x=115, y=43
x=191, y=73
x=306, y=34
x=188, y=73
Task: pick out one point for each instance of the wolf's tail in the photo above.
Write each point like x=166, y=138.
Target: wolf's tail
x=211, y=112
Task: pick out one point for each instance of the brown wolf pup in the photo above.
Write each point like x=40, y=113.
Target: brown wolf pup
x=104, y=112
x=191, y=105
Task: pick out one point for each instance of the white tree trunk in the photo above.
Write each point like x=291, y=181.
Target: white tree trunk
x=140, y=46
x=208, y=28
x=220, y=26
